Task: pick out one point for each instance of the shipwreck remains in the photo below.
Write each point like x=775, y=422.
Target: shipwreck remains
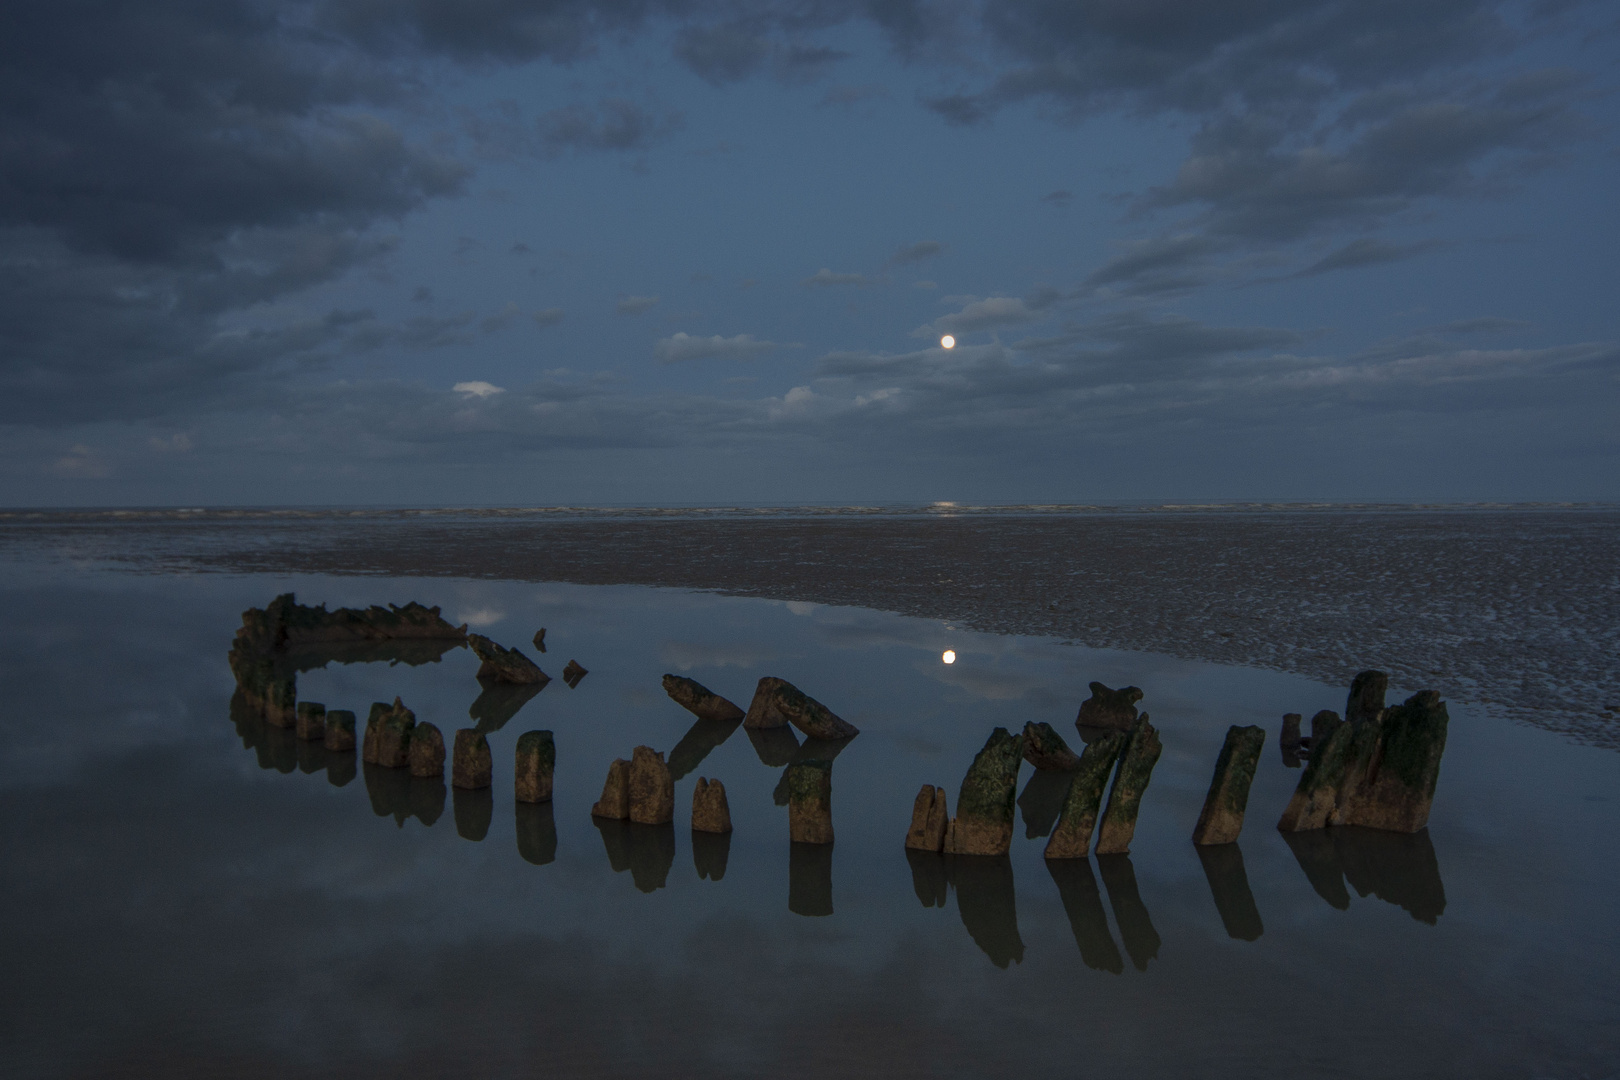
x=1378, y=767
x=615, y=801
x=1118, y=822
x=809, y=789
x=503, y=665
x=699, y=700
x=710, y=811
x=427, y=752
x=573, y=673
x=983, y=824
x=536, y=762
x=470, y=767
x=778, y=702
x=929, y=819
x=1112, y=710
x=1044, y=748
x=1071, y=838
x=1222, y=818
x=652, y=790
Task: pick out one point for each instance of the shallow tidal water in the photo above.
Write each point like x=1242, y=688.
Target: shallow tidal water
x=190, y=893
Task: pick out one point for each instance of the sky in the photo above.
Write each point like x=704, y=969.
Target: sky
x=555, y=252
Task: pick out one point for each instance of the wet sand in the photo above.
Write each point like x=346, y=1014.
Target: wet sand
x=1516, y=609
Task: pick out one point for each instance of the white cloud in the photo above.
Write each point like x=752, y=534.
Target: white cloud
x=682, y=346
x=478, y=388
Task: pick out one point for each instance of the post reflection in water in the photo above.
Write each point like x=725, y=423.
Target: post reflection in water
x=775, y=746
x=1130, y=914
x=710, y=852
x=340, y=767
x=499, y=702
x=647, y=851
x=1042, y=801
x=536, y=833
x=812, y=750
x=1082, y=902
x=985, y=899
x=700, y=739
x=1398, y=868
x=311, y=756
x=1229, y=885
x=929, y=877
x=810, y=879
x=474, y=809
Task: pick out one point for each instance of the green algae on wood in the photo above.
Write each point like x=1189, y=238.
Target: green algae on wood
x=985, y=807
x=1044, y=748
x=470, y=768
x=536, y=762
x=426, y=752
x=1071, y=838
x=809, y=790
x=928, y=820
x=615, y=801
x=699, y=700
x=1118, y=822
x=1222, y=818
x=652, y=790
x=339, y=734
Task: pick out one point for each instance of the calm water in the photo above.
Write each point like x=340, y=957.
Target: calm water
x=188, y=893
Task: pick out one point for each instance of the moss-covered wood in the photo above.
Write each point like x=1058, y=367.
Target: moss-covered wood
x=615, y=801
x=339, y=734
x=427, y=751
x=929, y=819
x=1317, y=793
x=777, y=702
x=809, y=785
x=699, y=700
x=471, y=767
x=504, y=665
x=986, y=805
x=311, y=723
x=536, y=763
x=1071, y=838
x=711, y=813
x=1222, y=818
x=652, y=790
x=1044, y=748
x=1395, y=788
x=1118, y=822
x=1113, y=710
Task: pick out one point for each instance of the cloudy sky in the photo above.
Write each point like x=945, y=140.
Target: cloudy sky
x=554, y=251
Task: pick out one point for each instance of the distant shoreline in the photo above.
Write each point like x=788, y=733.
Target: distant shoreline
x=67, y=515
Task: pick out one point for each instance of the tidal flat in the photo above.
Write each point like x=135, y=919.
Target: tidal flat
x=190, y=891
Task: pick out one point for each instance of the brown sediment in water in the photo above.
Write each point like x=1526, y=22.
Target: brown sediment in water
x=1513, y=608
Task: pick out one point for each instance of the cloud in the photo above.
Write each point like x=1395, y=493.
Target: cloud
x=850, y=96
x=1368, y=251
x=613, y=124
x=682, y=346
x=634, y=305
x=992, y=313
x=824, y=277
x=1060, y=197
x=478, y=389
x=550, y=316
x=722, y=54
x=1488, y=324
x=914, y=253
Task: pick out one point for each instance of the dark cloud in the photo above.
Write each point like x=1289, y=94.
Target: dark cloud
x=1368, y=251
x=824, y=277
x=682, y=346
x=634, y=305
x=722, y=54
x=915, y=253
x=612, y=124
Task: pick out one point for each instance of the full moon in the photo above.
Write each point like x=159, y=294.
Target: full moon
x=949, y=656
x=947, y=342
